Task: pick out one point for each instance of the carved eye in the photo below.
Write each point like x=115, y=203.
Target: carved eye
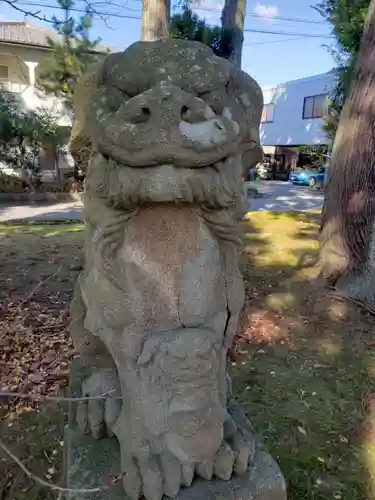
x=214, y=100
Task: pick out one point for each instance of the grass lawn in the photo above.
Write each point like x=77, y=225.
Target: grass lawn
x=303, y=365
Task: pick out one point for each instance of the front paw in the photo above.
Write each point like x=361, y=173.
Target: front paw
x=99, y=412
x=154, y=476
x=233, y=457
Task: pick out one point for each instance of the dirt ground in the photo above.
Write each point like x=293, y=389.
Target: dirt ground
x=303, y=365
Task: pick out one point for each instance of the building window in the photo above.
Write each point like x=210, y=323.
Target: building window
x=267, y=114
x=314, y=106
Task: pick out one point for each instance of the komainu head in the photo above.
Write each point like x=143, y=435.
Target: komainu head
x=172, y=122
x=168, y=102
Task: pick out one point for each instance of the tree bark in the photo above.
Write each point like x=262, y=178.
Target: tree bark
x=233, y=17
x=347, y=243
x=155, y=19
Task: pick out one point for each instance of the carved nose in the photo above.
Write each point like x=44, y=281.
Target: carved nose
x=184, y=112
x=142, y=115
x=167, y=103
x=196, y=112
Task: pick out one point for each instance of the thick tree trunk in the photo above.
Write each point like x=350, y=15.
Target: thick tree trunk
x=347, y=243
x=155, y=19
x=233, y=17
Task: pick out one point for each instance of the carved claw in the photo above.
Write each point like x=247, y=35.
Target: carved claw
x=152, y=479
x=205, y=470
x=131, y=480
x=187, y=474
x=172, y=475
x=243, y=452
x=233, y=457
x=224, y=462
x=96, y=416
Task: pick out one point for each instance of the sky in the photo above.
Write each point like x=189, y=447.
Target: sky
x=270, y=58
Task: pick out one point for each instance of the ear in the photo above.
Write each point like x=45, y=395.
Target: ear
x=250, y=97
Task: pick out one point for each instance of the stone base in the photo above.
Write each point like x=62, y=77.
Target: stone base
x=93, y=463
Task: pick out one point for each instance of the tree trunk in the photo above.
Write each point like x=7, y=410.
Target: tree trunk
x=347, y=243
x=233, y=17
x=155, y=19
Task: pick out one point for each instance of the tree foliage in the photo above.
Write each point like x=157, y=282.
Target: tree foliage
x=23, y=132
x=316, y=154
x=73, y=53
x=189, y=26
x=347, y=18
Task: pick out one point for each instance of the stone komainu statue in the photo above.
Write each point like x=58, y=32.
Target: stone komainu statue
x=167, y=124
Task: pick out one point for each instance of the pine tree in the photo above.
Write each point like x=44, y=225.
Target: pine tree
x=73, y=54
x=189, y=26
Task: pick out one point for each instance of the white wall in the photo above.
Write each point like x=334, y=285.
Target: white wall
x=38, y=101
x=288, y=126
x=22, y=62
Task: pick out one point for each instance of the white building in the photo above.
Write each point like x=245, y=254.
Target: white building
x=23, y=49
x=294, y=111
x=293, y=115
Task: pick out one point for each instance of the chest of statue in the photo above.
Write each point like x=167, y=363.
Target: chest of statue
x=167, y=273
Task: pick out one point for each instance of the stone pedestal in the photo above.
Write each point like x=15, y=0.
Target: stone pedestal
x=92, y=463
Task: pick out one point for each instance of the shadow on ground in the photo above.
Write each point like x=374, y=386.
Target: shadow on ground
x=303, y=364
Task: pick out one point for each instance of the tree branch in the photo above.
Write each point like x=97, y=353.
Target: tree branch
x=90, y=7
x=39, y=285
x=36, y=15
x=37, y=397
x=339, y=295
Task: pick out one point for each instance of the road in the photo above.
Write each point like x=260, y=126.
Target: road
x=276, y=196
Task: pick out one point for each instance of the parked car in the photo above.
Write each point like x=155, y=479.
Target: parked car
x=312, y=178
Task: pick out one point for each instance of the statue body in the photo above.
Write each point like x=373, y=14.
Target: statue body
x=157, y=306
